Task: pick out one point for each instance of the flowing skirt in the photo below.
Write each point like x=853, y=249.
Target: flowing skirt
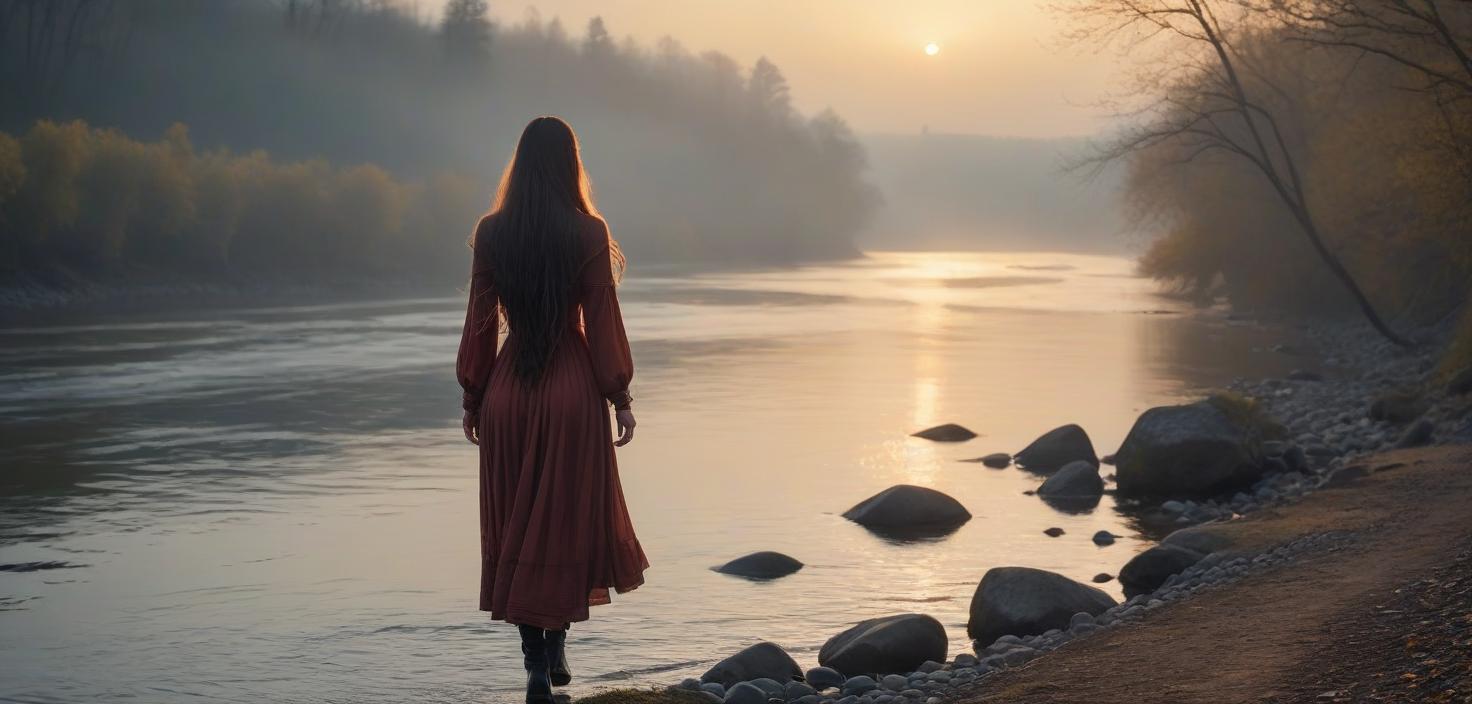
x=555, y=531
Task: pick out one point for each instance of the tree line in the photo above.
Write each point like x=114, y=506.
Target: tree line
x=89, y=201
x=695, y=158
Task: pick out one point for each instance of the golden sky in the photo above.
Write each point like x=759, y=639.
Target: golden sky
x=1002, y=68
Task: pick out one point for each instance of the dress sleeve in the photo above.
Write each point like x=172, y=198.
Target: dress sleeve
x=603, y=326
x=477, y=338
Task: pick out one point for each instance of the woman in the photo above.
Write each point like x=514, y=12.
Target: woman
x=555, y=533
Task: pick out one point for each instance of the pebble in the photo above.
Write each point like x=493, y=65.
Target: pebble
x=894, y=682
x=822, y=678
x=772, y=687
x=746, y=693
x=859, y=684
x=798, y=690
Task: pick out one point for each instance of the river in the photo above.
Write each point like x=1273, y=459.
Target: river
x=276, y=504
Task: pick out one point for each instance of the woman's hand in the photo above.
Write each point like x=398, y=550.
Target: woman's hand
x=471, y=426
x=626, y=425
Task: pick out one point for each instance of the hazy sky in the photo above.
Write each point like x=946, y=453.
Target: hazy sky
x=1001, y=69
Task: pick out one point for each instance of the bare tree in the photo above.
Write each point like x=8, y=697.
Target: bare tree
x=1432, y=38
x=1204, y=104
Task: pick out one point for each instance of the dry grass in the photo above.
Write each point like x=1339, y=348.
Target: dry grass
x=1249, y=413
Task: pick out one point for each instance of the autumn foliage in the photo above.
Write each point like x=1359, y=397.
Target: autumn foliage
x=74, y=199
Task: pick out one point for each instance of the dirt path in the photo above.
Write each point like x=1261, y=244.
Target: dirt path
x=1384, y=615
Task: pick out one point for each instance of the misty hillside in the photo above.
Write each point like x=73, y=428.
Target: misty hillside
x=972, y=192
x=694, y=158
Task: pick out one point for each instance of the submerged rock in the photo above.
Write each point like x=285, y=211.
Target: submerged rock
x=1053, y=532
x=1022, y=601
x=996, y=460
x=1057, y=448
x=761, y=660
x=950, y=432
x=1193, y=450
x=886, y=645
x=761, y=565
x=1104, y=537
x=1102, y=577
x=1075, y=480
x=906, y=510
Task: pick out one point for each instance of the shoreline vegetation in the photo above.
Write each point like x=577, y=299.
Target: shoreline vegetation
x=1354, y=464
x=1299, y=156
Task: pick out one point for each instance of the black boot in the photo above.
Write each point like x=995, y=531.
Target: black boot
x=557, y=658
x=534, y=652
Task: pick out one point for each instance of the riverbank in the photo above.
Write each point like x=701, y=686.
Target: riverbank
x=1375, y=607
x=1287, y=569
x=1362, y=592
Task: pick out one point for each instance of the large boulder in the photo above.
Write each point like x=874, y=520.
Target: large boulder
x=950, y=432
x=1055, y=449
x=1077, y=479
x=1022, y=601
x=1200, y=539
x=1194, y=450
x=761, y=565
x=906, y=510
x=1148, y=570
x=890, y=644
x=760, y=660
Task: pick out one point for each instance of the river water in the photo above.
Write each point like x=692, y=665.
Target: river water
x=276, y=504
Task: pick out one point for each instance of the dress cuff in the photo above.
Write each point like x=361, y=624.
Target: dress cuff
x=471, y=401
x=621, y=400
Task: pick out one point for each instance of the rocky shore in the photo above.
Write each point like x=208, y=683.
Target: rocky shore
x=1192, y=472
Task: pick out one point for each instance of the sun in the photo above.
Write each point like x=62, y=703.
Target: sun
x=932, y=49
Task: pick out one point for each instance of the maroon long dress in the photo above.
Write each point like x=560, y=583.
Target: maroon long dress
x=555, y=532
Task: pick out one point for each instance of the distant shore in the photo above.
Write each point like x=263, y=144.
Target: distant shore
x=28, y=298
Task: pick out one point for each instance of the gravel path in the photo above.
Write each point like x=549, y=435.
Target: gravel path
x=1345, y=620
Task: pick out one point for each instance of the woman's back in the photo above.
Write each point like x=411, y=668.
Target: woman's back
x=555, y=533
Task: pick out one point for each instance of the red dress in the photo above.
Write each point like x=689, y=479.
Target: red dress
x=555, y=532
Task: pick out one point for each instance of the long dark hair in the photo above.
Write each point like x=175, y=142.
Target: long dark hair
x=531, y=240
